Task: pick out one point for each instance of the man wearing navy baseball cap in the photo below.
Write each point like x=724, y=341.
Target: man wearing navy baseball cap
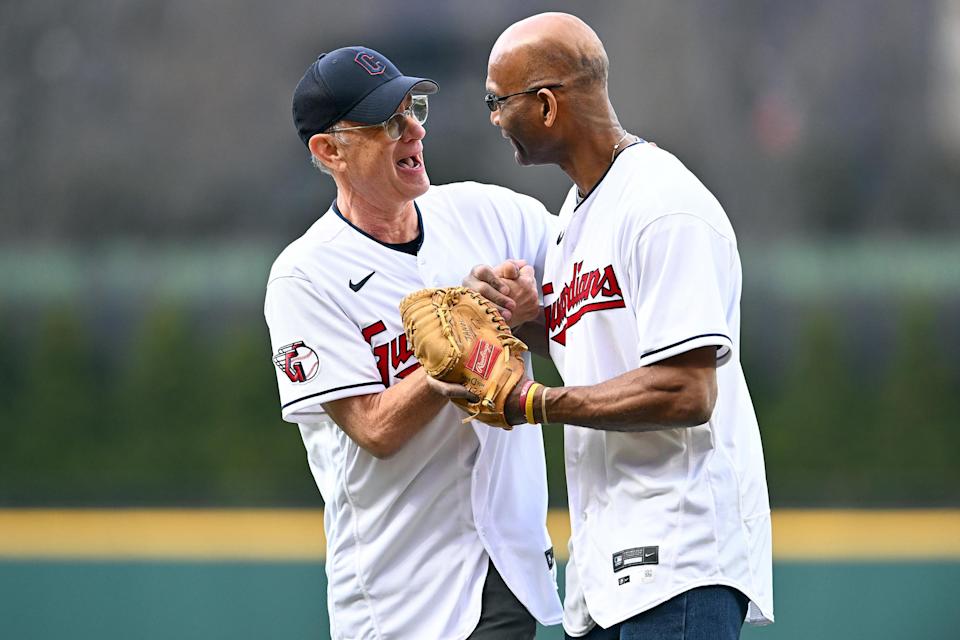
x=353, y=83
x=434, y=529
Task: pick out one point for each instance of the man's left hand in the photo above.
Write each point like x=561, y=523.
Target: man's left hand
x=451, y=390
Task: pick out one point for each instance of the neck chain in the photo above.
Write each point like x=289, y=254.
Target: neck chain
x=613, y=156
x=616, y=147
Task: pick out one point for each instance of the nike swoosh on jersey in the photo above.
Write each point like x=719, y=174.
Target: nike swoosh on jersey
x=560, y=237
x=359, y=285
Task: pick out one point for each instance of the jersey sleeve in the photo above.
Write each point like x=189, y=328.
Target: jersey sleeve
x=682, y=284
x=319, y=354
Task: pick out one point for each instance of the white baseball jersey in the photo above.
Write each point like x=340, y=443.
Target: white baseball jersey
x=645, y=268
x=408, y=537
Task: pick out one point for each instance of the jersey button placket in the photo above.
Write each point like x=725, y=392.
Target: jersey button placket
x=422, y=270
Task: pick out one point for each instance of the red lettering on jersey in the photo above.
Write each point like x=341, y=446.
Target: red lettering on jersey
x=403, y=373
x=381, y=352
x=399, y=353
x=375, y=329
x=576, y=299
x=390, y=356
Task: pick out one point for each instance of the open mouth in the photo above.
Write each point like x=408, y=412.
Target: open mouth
x=410, y=162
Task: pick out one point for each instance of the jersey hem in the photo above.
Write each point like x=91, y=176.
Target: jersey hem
x=580, y=633
x=765, y=619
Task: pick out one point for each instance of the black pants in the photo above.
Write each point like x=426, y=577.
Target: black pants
x=502, y=616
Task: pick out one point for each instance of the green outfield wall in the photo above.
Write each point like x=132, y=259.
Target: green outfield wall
x=100, y=600
x=175, y=404
x=256, y=574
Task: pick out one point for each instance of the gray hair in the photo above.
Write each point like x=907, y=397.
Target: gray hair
x=317, y=163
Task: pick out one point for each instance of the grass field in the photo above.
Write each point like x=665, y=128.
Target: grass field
x=259, y=574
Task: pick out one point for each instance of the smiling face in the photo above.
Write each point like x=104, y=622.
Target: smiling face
x=384, y=172
x=526, y=120
x=566, y=115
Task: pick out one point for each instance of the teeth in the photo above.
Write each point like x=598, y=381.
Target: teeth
x=410, y=162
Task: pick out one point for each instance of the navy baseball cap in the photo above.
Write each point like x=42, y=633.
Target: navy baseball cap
x=352, y=83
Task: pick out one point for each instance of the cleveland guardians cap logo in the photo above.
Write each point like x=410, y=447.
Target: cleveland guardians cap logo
x=299, y=362
x=370, y=64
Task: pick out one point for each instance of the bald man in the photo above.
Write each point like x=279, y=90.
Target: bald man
x=668, y=499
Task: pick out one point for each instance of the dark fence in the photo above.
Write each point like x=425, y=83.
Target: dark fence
x=183, y=409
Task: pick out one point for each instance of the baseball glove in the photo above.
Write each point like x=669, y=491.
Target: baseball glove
x=459, y=336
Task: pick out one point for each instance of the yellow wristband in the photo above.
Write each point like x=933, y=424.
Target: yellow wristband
x=531, y=394
x=543, y=406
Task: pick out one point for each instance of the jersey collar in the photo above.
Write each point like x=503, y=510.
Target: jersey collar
x=580, y=200
x=411, y=247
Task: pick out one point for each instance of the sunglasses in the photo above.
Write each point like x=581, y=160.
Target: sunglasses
x=395, y=125
x=494, y=101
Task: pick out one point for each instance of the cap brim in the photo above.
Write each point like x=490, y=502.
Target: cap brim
x=382, y=102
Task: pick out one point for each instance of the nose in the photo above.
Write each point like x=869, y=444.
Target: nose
x=495, y=118
x=413, y=130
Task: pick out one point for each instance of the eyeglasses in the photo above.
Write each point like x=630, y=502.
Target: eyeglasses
x=494, y=101
x=395, y=125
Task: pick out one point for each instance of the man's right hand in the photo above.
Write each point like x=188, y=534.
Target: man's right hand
x=512, y=286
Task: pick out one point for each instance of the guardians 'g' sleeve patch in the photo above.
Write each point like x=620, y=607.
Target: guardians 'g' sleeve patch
x=299, y=362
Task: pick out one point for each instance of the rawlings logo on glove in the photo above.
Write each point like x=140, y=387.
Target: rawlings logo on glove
x=459, y=336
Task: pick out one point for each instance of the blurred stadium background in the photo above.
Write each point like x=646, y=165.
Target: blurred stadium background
x=149, y=173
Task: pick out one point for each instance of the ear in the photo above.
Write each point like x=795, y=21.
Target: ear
x=548, y=106
x=324, y=146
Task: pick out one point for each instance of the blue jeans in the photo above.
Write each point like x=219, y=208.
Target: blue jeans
x=704, y=613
